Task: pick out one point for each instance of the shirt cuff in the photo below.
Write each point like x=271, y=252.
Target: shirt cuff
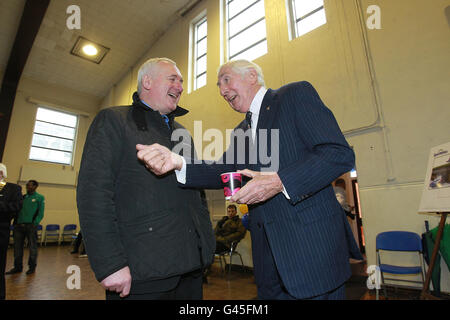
x=181, y=174
x=285, y=193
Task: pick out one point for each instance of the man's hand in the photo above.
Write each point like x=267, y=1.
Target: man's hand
x=158, y=159
x=262, y=186
x=119, y=281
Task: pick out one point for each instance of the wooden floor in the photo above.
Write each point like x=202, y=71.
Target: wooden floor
x=49, y=282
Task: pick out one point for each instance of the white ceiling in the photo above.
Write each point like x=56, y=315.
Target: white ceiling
x=127, y=27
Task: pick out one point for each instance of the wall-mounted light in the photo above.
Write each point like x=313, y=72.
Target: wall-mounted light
x=89, y=50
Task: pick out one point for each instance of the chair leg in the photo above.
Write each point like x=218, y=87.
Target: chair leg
x=242, y=261
x=220, y=260
x=229, y=267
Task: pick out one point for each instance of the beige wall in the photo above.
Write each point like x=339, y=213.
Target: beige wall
x=61, y=205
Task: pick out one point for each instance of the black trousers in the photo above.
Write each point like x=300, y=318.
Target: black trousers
x=4, y=241
x=189, y=287
x=22, y=231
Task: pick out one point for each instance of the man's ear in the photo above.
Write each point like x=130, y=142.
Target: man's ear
x=147, y=81
x=253, y=75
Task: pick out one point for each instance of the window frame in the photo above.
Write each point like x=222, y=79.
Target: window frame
x=293, y=20
x=228, y=38
x=74, y=140
x=202, y=18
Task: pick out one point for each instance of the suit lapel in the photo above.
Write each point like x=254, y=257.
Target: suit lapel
x=267, y=111
x=267, y=115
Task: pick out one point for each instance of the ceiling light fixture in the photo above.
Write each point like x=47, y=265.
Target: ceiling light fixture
x=89, y=50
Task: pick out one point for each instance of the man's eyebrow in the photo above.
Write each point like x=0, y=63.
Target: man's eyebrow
x=220, y=76
x=176, y=76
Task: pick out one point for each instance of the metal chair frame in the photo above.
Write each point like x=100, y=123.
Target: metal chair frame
x=230, y=254
x=69, y=231
x=405, y=243
x=52, y=231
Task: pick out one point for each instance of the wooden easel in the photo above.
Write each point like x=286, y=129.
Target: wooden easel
x=425, y=294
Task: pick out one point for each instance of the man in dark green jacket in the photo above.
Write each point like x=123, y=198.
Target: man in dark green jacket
x=25, y=227
x=145, y=237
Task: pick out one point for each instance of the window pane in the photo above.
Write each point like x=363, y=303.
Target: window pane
x=201, y=47
x=54, y=130
x=312, y=22
x=237, y=6
x=50, y=155
x=56, y=117
x=201, y=65
x=201, y=81
x=52, y=143
x=303, y=7
x=247, y=38
x=202, y=30
x=246, y=18
x=254, y=52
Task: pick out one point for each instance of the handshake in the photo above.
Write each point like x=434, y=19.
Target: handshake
x=263, y=185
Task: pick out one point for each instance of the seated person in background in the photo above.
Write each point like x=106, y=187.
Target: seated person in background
x=229, y=229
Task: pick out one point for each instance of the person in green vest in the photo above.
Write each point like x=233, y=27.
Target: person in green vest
x=25, y=226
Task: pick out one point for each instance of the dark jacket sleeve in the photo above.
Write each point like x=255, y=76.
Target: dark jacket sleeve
x=329, y=154
x=95, y=195
x=13, y=201
x=206, y=174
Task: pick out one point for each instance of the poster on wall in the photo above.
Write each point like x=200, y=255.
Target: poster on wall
x=436, y=190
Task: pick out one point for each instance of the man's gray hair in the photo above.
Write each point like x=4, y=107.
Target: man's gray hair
x=242, y=66
x=3, y=168
x=148, y=67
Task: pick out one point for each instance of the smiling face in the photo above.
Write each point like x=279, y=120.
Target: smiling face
x=164, y=86
x=238, y=89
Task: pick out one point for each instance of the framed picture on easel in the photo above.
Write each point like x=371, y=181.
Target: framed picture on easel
x=436, y=191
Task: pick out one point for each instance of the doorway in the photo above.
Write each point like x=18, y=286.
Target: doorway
x=354, y=216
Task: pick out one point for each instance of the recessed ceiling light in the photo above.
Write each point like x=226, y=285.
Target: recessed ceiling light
x=89, y=50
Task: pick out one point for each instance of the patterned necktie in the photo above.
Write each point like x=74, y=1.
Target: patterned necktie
x=248, y=118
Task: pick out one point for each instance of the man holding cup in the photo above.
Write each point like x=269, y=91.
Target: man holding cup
x=301, y=240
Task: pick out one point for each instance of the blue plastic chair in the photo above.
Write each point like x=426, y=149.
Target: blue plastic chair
x=399, y=241
x=51, y=232
x=69, y=232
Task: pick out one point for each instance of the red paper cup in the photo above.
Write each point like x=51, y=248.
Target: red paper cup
x=232, y=182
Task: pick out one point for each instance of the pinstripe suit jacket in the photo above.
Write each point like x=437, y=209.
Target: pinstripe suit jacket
x=309, y=235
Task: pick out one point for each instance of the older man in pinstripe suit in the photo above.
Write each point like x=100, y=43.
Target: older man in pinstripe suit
x=301, y=240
